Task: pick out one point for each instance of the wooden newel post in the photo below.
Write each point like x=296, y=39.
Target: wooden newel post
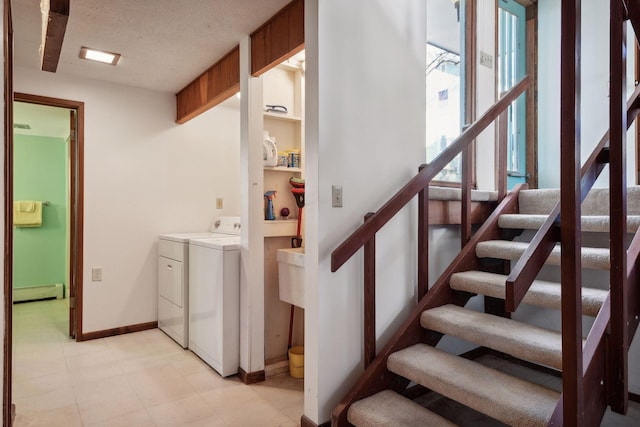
x=369, y=298
x=570, y=210
x=619, y=343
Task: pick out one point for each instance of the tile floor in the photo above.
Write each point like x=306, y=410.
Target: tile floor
x=140, y=379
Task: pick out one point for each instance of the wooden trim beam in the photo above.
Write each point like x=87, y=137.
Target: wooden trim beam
x=210, y=88
x=281, y=37
x=58, y=16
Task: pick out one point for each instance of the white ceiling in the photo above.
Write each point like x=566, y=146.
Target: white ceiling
x=164, y=44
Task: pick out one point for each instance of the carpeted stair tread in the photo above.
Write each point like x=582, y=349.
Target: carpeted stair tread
x=506, y=249
x=388, y=408
x=542, y=201
x=452, y=193
x=506, y=398
x=593, y=223
x=541, y=293
x=518, y=339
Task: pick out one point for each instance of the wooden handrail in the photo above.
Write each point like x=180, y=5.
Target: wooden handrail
x=364, y=233
x=534, y=257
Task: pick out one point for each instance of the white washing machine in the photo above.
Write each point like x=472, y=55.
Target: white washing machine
x=173, y=276
x=214, y=302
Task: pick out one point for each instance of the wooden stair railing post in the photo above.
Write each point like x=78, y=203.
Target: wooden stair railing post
x=619, y=342
x=570, y=214
x=423, y=240
x=465, y=197
x=503, y=130
x=369, y=298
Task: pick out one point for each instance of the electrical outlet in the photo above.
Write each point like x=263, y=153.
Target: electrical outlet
x=96, y=274
x=486, y=60
x=219, y=203
x=336, y=196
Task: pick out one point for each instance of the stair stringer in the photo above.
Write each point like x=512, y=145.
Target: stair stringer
x=377, y=377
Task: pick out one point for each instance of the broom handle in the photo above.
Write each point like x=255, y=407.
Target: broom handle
x=299, y=221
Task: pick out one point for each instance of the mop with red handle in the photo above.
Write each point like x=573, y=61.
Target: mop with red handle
x=297, y=190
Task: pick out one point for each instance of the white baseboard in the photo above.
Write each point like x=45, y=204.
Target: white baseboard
x=32, y=293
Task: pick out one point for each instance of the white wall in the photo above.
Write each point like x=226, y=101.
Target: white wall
x=594, y=87
x=486, y=93
x=144, y=175
x=365, y=130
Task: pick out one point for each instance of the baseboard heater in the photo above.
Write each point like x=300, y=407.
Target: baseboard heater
x=38, y=292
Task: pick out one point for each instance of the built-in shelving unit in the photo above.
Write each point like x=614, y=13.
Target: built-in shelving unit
x=282, y=85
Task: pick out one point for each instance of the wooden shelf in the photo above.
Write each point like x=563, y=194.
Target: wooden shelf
x=282, y=116
x=282, y=169
x=280, y=227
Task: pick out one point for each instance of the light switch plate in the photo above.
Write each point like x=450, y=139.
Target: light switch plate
x=96, y=274
x=486, y=60
x=336, y=196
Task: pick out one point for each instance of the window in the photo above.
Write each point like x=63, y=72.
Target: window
x=443, y=107
x=447, y=80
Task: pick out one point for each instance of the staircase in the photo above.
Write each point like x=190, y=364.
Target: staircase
x=594, y=367
x=508, y=399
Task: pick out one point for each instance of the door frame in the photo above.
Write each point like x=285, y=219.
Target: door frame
x=531, y=102
x=76, y=223
x=7, y=407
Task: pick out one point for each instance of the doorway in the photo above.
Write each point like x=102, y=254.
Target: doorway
x=75, y=126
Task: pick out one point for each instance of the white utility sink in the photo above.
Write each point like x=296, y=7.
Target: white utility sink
x=291, y=275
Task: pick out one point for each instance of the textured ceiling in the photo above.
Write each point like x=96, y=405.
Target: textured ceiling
x=164, y=44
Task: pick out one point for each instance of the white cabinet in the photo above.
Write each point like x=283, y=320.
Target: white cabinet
x=173, y=297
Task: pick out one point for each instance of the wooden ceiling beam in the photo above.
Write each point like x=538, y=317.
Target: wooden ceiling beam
x=56, y=25
x=210, y=88
x=281, y=37
x=277, y=39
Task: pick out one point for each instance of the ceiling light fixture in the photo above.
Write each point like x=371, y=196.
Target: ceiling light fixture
x=99, y=56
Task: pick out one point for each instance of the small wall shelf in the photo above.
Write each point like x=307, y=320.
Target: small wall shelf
x=282, y=169
x=280, y=227
x=281, y=116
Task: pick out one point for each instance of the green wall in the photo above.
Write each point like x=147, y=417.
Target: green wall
x=39, y=254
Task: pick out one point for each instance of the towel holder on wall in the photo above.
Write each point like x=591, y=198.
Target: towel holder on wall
x=46, y=203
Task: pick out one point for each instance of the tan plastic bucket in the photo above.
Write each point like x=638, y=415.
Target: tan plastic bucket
x=296, y=362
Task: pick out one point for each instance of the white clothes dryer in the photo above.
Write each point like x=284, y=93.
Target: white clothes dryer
x=173, y=276
x=214, y=302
